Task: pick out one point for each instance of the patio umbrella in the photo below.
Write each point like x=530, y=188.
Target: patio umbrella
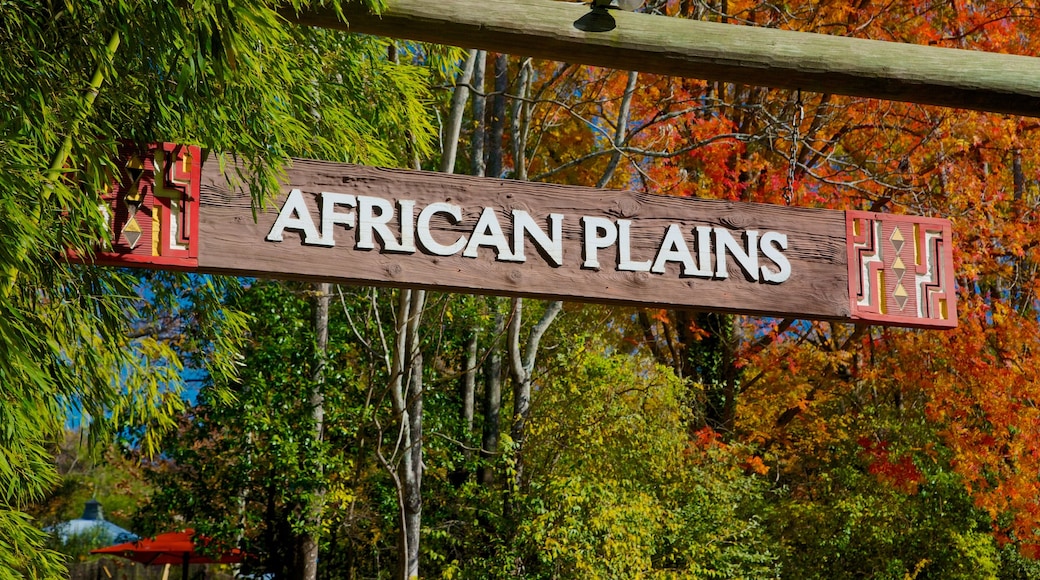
x=179, y=548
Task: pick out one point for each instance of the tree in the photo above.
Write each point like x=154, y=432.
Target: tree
x=923, y=440
x=109, y=476
x=694, y=138
x=77, y=76
x=254, y=469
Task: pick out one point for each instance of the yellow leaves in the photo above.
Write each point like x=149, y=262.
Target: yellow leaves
x=596, y=529
x=918, y=568
x=340, y=494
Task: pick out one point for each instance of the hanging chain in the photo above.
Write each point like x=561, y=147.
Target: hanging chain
x=796, y=126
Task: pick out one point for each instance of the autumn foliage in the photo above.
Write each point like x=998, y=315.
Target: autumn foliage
x=901, y=404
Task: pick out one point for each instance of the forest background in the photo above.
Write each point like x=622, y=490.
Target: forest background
x=343, y=432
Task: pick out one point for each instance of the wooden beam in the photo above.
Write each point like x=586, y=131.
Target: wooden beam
x=724, y=52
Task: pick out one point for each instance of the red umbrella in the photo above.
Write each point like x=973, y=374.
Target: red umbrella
x=171, y=548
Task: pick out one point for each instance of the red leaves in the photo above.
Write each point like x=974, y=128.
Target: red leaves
x=982, y=398
x=898, y=472
x=804, y=390
x=706, y=437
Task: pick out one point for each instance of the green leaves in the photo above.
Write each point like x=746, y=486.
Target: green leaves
x=22, y=553
x=231, y=76
x=246, y=461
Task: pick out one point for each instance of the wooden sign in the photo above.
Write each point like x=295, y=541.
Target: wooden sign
x=360, y=225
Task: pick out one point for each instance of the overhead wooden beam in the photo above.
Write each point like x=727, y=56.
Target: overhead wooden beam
x=724, y=52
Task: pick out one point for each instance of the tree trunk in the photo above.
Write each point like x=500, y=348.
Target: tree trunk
x=520, y=124
x=469, y=381
x=412, y=462
x=406, y=393
x=710, y=360
x=498, y=116
x=620, y=131
x=492, y=398
x=453, y=126
x=521, y=366
x=308, y=545
x=477, y=154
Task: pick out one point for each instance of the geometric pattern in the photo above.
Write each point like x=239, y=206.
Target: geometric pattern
x=901, y=270
x=153, y=204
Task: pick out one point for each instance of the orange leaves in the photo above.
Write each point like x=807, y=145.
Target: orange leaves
x=706, y=437
x=695, y=332
x=1031, y=550
x=983, y=397
x=756, y=465
x=972, y=394
x=706, y=441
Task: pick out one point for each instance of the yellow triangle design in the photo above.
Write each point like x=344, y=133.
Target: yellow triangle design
x=897, y=240
x=900, y=295
x=132, y=232
x=135, y=167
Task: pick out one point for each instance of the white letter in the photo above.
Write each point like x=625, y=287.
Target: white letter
x=488, y=232
x=703, y=251
x=625, y=250
x=592, y=226
x=423, y=226
x=748, y=259
x=674, y=249
x=294, y=204
x=772, y=243
x=406, y=211
x=369, y=222
x=552, y=246
x=329, y=217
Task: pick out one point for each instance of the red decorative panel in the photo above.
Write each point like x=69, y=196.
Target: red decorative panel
x=153, y=206
x=901, y=270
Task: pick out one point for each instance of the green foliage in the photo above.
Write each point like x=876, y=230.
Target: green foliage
x=614, y=489
x=23, y=552
x=593, y=528
x=1013, y=566
x=852, y=524
x=232, y=77
x=78, y=546
x=870, y=490
x=248, y=466
x=108, y=475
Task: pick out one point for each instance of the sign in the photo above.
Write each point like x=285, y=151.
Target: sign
x=361, y=225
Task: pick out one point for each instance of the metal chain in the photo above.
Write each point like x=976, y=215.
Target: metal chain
x=796, y=125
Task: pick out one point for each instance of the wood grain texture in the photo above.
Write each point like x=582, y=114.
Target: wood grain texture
x=724, y=52
x=230, y=242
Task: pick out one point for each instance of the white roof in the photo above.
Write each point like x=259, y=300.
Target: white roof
x=103, y=531
x=92, y=525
